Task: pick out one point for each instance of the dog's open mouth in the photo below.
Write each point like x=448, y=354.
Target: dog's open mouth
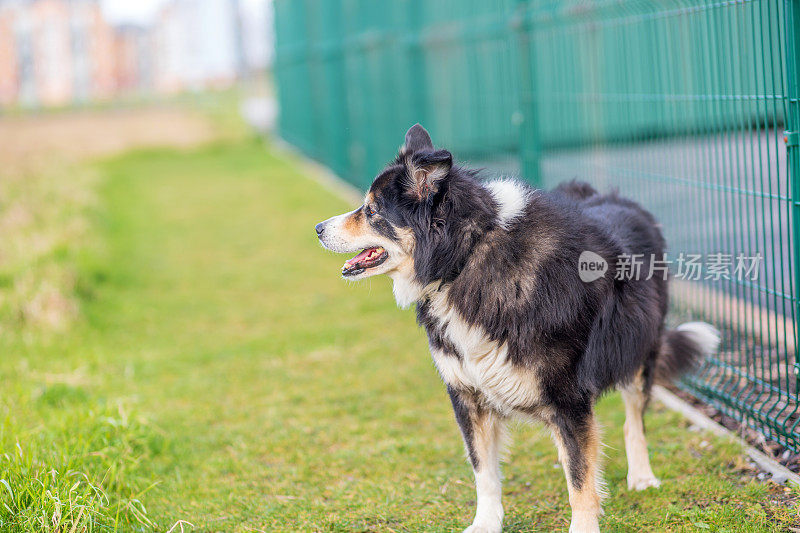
x=368, y=258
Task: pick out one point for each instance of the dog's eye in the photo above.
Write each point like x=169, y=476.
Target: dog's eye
x=369, y=210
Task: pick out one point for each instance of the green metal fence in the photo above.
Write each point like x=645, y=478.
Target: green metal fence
x=689, y=106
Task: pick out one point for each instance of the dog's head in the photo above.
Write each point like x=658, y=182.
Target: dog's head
x=398, y=211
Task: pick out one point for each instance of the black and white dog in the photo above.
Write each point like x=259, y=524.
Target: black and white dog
x=514, y=331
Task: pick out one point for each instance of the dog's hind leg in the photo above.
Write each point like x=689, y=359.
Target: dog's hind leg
x=578, y=440
x=640, y=475
x=483, y=431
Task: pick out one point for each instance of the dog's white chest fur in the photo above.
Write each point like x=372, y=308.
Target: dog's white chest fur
x=483, y=364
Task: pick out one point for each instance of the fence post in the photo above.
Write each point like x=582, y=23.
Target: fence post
x=527, y=115
x=792, y=139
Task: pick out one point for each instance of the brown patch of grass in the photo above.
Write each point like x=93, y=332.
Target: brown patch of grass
x=32, y=143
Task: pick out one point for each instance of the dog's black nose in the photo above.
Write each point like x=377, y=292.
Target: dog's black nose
x=320, y=228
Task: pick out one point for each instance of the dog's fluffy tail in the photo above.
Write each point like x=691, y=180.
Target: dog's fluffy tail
x=683, y=348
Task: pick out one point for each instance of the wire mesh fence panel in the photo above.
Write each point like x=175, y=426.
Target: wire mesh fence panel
x=687, y=106
x=682, y=106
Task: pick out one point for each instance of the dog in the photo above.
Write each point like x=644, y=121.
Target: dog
x=514, y=331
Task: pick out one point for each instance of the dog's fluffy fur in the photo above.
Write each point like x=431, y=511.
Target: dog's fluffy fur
x=514, y=332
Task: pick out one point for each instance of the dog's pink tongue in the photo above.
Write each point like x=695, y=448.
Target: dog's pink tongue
x=360, y=257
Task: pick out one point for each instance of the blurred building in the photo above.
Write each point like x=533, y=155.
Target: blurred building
x=199, y=45
x=134, y=57
x=58, y=52
x=93, y=51
x=54, y=52
x=258, y=33
x=9, y=67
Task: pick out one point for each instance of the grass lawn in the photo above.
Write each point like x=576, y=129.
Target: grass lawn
x=222, y=374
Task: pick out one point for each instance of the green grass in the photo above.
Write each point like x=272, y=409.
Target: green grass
x=223, y=375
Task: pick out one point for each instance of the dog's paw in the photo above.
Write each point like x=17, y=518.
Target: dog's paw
x=577, y=529
x=643, y=483
x=584, y=523
x=481, y=528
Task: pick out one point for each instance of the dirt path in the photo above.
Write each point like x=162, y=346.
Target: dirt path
x=29, y=143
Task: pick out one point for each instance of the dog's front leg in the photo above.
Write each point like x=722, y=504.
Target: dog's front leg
x=482, y=429
x=577, y=437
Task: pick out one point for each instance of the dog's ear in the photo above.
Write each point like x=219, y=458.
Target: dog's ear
x=426, y=170
x=417, y=139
